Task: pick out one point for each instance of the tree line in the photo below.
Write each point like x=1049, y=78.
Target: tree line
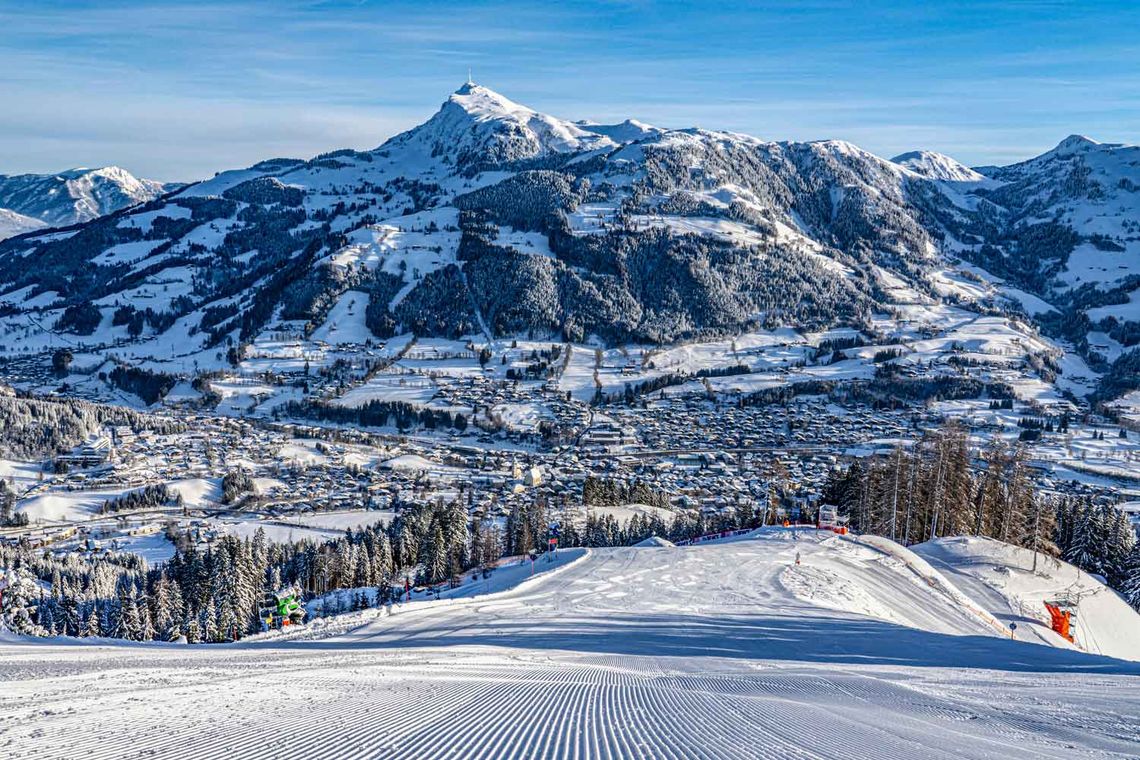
x=38, y=427
x=940, y=487
x=607, y=492
x=217, y=592
x=151, y=496
x=377, y=413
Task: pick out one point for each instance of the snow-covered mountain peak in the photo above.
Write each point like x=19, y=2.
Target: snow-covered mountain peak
x=115, y=174
x=1074, y=144
x=937, y=166
x=121, y=180
x=849, y=154
x=484, y=103
x=75, y=195
x=477, y=125
x=839, y=147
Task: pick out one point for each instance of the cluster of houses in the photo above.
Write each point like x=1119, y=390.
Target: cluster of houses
x=678, y=423
x=706, y=456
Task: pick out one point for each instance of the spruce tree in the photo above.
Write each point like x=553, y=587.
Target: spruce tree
x=475, y=553
x=93, y=628
x=132, y=620
x=1130, y=587
x=1121, y=540
x=19, y=612
x=457, y=533
x=1081, y=551
x=435, y=556
x=385, y=569
x=210, y=632
x=146, y=628
x=162, y=614
x=68, y=619
x=407, y=546
x=193, y=629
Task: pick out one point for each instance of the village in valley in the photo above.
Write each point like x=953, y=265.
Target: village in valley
x=756, y=423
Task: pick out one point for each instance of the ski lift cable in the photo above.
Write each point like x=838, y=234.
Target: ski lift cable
x=1092, y=639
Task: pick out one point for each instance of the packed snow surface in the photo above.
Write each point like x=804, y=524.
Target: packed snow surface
x=714, y=651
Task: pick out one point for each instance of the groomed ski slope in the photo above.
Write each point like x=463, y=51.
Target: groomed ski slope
x=722, y=650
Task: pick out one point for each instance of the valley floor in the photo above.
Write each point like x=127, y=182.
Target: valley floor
x=729, y=650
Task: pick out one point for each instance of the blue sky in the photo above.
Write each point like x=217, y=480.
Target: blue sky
x=177, y=91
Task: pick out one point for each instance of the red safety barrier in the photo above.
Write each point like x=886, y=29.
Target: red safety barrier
x=840, y=529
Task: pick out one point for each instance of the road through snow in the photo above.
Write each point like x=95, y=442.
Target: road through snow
x=718, y=651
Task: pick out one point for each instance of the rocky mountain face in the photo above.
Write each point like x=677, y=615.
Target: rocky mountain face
x=74, y=196
x=491, y=219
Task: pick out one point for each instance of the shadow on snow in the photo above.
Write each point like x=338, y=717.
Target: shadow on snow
x=798, y=638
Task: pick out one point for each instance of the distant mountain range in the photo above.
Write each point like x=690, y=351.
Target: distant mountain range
x=34, y=201
x=491, y=219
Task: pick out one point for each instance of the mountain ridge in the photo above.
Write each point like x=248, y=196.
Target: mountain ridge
x=493, y=219
x=76, y=195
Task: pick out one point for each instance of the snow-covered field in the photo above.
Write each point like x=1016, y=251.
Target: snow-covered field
x=727, y=650
x=342, y=520
x=66, y=506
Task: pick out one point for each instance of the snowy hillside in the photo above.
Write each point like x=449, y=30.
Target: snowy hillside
x=650, y=652
x=76, y=195
x=1073, y=237
x=937, y=166
x=1000, y=577
x=12, y=223
x=629, y=130
x=1089, y=187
